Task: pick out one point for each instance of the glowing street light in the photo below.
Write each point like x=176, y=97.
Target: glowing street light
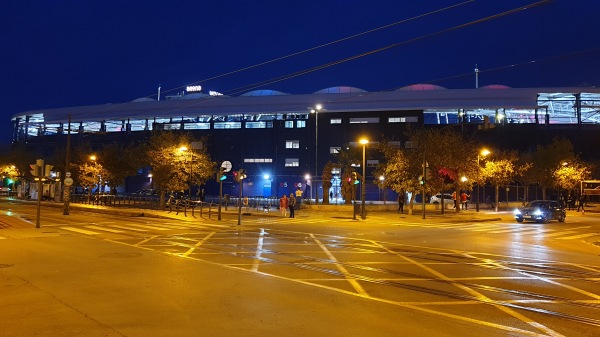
x=364, y=143
x=316, y=111
x=483, y=153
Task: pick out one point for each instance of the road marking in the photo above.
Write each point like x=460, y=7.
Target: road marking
x=259, y=250
x=151, y=227
x=2, y=237
x=79, y=230
x=198, y=244
x=560, y=233
x=105, y=229
x=581, y=236
x=477, y=295
x=129, y=228
x=340, y=267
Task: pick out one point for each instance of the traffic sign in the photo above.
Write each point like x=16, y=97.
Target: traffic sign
x=68, y=181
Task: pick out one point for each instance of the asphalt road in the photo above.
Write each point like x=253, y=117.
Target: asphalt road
x=320, y=274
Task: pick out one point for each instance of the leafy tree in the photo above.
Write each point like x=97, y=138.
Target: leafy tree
x=546, y=159
x=569, y=175
x=347, y=158
x=175, y=169
x=500, y=170
x=120, y=161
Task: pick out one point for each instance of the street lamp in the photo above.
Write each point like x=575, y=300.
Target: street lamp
x=315, y=111
x=185, y=149
x=483, y=153
x=381, y=180
x=364, y=143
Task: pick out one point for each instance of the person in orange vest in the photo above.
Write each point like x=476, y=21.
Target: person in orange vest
x=454, y=198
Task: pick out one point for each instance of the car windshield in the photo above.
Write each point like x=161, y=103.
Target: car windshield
x=538, y=204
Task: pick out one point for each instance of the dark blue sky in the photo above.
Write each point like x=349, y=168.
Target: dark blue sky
x=58, y=53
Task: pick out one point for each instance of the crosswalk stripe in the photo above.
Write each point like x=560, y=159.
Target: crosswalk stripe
x=560, y=233
x=150, y=227
x=105, y=229
x=79, y=230
x=581, y=236
x=129, y=228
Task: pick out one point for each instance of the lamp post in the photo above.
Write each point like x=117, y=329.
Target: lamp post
x=364, y=143
x=480, y=154
x=315, y=111
x=185, y=149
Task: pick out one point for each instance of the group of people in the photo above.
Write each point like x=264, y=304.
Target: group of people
x=286, y=204
x=463, y=198
x=570, y=201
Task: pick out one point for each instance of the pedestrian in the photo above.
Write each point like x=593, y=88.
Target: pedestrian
x=283, y=205
x=401, y=202
x=454, y=199
x=488, y=200
x=292, y=204
x=581, y=203
x=569, y=201
x=463, y=200
x=298, y=198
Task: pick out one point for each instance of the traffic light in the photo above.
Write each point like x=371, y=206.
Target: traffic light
x=421, y=180
x=37, y=168
x=222, y=174
x=242, y=174
x=355, y=178
x=48, y=170
x=236, y=176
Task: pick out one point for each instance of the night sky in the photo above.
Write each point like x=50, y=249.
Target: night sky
x=57, y=53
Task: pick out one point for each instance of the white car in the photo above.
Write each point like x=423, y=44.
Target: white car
x=437, y=199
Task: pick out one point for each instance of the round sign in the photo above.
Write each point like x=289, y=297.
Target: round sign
x=226, y=165
x=68, y=174
x=68, y=181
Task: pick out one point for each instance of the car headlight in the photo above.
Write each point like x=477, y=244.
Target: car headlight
x=517, y=212
x=537, y=212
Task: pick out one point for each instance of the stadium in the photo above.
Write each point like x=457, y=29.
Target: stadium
x=280, y=138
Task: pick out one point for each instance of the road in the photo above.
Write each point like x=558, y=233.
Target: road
x=318, y=274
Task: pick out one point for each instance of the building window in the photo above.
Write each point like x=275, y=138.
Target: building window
x=196, y=126
x=292, y=144
x=228, y=125
x=258, y=160
x=289, y=124
x=259, y=125
x=335, y=149
x=335, y=121
x=300, y=124
x=364, y=120
x=372, y=162
x=292, y=162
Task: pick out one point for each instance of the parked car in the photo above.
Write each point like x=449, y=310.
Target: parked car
x=541, y=211
x=437, y=199
x=145, y=192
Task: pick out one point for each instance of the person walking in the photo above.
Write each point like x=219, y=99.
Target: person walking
x=401, y=202
x=283, y=205
x=463, y=200
x=292, y=205
x=581, y=203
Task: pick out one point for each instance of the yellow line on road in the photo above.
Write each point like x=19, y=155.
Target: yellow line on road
x=198, y=244
x=340, y=267
x=79, y=230
x=479, y=296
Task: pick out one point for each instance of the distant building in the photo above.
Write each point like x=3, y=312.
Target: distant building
x=272, y=133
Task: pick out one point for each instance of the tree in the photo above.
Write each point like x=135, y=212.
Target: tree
x=545, y=160
x=569, y=175
x=347, y=158
x=120, y=161
x=500, y=170
x=173, y=168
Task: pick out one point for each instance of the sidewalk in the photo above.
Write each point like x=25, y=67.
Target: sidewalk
x=432, y=213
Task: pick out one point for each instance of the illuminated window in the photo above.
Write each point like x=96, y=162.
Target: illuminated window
x=292, y=162
x=289, y=124
x=300, y=124
x=364, y=120
x=335, y=149
x=258, y=160
x=292, y=144
x=335, y=121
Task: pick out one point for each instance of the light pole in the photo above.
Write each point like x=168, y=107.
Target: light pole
x=185, y=149
x=307, y=178
x=480, y=154
x=364, y=143
x=315, y=111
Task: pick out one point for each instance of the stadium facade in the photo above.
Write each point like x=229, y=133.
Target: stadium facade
x=279, y=138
